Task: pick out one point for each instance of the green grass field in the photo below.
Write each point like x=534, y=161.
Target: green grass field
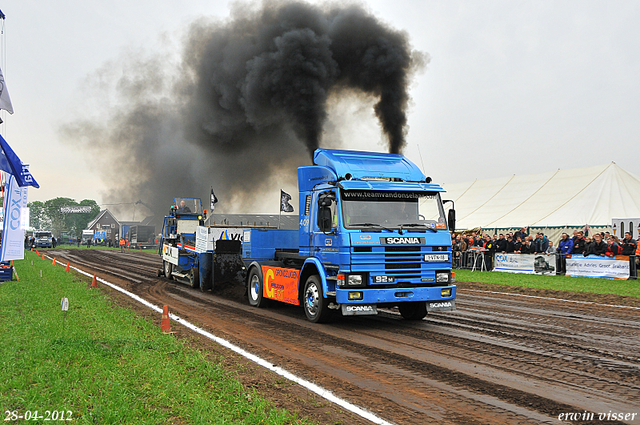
x=107, y=366
x=629, y=288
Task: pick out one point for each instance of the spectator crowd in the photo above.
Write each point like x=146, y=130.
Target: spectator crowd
x=521, y=242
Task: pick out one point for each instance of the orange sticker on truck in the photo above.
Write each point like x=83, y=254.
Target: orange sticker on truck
x=281, y=284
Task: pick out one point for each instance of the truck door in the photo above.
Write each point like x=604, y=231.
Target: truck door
x=325, y=228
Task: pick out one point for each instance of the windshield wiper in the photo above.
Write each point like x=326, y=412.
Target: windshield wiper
x=370, y=225
x=417, y=225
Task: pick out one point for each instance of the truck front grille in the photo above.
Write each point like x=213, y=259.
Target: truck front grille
x=405, y=263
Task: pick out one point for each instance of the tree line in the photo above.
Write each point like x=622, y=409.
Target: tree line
x=48, y=215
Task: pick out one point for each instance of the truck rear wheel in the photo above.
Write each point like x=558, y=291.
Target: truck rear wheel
x=255, y=289
x=316, y=307
x=413, y=310
x=167, y=267
x=194, y=278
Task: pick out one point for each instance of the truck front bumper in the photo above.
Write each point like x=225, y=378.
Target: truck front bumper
x=394, y=295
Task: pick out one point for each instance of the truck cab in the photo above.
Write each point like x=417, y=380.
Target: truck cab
x=372, y=234
x=43, y=239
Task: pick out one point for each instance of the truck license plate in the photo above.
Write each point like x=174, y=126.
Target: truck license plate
x=436, y=257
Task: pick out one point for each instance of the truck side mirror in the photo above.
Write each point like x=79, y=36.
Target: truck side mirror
x=451, y=216
x=451, y=220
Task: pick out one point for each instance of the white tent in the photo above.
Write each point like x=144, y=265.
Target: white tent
x=559, y=199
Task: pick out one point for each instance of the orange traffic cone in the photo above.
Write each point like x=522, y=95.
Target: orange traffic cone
x=165, y=325
x=43, y=256
x=54, y=261
x=37, y=253
x=66, y=269
x=94, y=282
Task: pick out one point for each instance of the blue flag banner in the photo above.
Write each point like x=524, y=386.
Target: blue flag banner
x=10, y=163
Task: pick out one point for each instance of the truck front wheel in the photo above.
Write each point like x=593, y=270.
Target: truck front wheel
x=167, y=267
x=316, y=307
x=413, y=310
x=255, y=288
x=194, y=278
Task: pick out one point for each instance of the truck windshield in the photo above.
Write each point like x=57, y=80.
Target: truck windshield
x=42, y=234
x=188, y=205
x=392, y=210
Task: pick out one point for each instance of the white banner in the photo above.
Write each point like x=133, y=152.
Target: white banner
x=596, y=266
x=12, y=230
x=525, y=263
x=206, y=236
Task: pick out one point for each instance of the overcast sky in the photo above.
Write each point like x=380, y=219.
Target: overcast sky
x=512, y=87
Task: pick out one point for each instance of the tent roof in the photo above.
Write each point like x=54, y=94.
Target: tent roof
x=580, y=196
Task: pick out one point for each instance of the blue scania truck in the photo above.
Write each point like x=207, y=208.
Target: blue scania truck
x=372, y=234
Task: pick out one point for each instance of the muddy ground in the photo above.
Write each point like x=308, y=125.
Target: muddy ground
x=500, y=358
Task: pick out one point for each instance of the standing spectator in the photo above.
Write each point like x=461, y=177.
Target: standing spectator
x=121, y=242
x=597, y=247
x=522, y=234
x=565, y=247
x=459, y=246
x=613, y=248
x=579, y=245
x=540, y=244
x=628, y=244
x=550, y=249
x=88, y=242
x=510, y=245
x=501, y=244
x=526, y=247
x=78, y=240
x=588, y=242
x=54, y=242
x=517, y=245
x=490, y=247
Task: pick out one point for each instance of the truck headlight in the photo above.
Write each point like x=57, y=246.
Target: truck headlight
x=354, y=280
x=442, y=277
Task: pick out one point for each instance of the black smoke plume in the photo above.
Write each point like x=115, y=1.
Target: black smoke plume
x=247, y=104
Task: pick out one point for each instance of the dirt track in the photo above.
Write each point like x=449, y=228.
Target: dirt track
x=499, y=359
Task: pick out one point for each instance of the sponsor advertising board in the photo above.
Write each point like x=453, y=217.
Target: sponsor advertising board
x=525, y=263
x=595, y=266
x=281, y=284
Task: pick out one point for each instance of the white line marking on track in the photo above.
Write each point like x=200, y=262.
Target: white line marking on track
x=324, y=393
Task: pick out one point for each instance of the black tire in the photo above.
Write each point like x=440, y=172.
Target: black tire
x=316, y=307
x=194, y=278
x=255, y=288
x=413, y=310
x=167, y=269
